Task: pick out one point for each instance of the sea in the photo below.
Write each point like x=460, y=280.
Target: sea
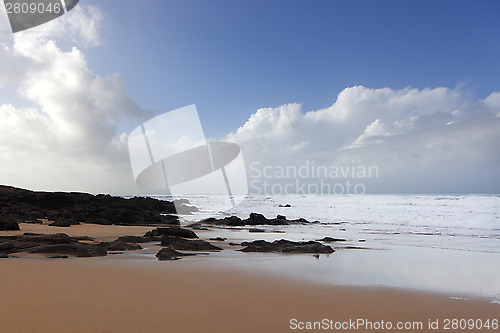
x=439, y=243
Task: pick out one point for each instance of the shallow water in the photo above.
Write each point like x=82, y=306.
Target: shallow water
x=439, y=243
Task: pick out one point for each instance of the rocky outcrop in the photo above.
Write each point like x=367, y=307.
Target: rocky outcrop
x=8, y=222
x=178, y=243
x=253, y=219
x=286, y=246
x=18, y=205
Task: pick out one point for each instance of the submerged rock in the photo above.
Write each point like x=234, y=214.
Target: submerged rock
x=286, y=246
x=220, y=239
x=331, y=239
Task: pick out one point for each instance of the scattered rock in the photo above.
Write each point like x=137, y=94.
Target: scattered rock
x=170, y=254
x=132, y=239
x=256, y=230
x=331, y=239
x=254, y=219
x=50, y=244
x=286, y=246
x=172, y=231
x=120, y=246
x=178, y=243
x=75, y=249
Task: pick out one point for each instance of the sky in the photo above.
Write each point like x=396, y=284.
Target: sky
x=408, y=87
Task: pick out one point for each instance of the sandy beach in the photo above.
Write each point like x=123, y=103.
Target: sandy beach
x=136, y=293
x=113, y=295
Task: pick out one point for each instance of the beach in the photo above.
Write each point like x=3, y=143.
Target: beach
x=136, y=293
x=331, y=264
x=109, y=295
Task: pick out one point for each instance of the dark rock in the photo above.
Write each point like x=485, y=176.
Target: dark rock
x=256, y=230
x=286, y=206
x=120, y=246
x=50, y=244
x=286, y=246
x=172, y=231
x=8, y=222
x=178, y=243
x=220, y=239
x=254, y=219
x=132, y=239
x=3, y=256
x=24, y=205
x=170, y=254
x=75, y=249
x=331, y=239
x=61, y=256
x=229, y=221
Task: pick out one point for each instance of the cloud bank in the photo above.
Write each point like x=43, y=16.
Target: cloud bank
x=62, y=125
x=422, y=141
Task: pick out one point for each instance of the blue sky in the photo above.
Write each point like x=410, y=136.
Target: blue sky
x=232, y=57
x=409, y=87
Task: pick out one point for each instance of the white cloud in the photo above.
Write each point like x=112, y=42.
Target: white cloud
x=421, y=140
x=69, y=131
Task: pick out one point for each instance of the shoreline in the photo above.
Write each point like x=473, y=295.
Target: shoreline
x=419, y=269
x=110, y=295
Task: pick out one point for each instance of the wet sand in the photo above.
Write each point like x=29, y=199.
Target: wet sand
x=139, y=294
x=117, y=295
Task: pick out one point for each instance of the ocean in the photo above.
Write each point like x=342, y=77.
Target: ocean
x=444, y=243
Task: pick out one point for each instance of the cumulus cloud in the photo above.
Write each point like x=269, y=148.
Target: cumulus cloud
x=431, y=140
x=66, y=128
